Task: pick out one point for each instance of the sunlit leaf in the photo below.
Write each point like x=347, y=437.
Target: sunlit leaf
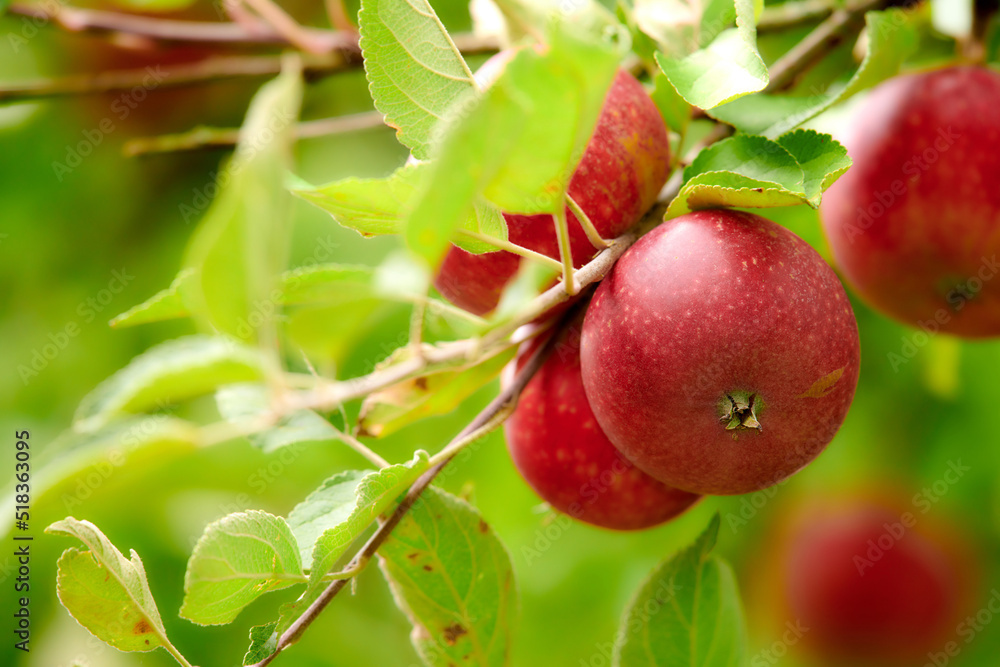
x=726, y=68
x=518, y=143
x=415, y=70
x=892, y=37
x=375, y=493
x=237, y=559
x=105, y=592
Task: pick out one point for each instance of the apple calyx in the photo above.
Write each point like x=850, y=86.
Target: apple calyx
x=738, y=411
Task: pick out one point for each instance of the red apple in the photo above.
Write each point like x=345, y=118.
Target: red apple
x=914, y=225
x=562, y=453
x=871, y=584
x=617, y=180
x=721, y=353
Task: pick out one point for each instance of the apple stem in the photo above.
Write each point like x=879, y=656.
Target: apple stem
x=565, y=252
x=739, y=411
x=511, y=247
x=588, y=226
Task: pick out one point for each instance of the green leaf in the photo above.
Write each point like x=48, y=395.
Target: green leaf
x=395, y=407
x=377, y=206
x=452, y=577
x=416, y=72
x=686, y=613
x=675, y=110
x=239, y=246
x=754, y=172
x=263, y=642
x=822, y=160
x=376, y=493
x=167, y=304
x=327, y=507
x=727, y=68
x=892, y=38
x=370, y=206
x=237, y=559
x=169, y=373
x=105, y=592
x=518, y=143
x=245, y=403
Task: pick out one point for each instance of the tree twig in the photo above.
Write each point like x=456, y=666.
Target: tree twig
x=791, y=14
x=485, y=421
x=215, y=137
x=287, y=27
x=169, y=30
x=209, y=70
x=817, y=43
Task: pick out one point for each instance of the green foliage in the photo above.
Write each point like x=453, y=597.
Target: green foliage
x=416, y=72
x=518, y=143
x=237, y=559
x=686, y=613
x=105, y=592
x=378, y=206
x=244, y=404
x=169, y=373
x=891, y=39
x=239, y=245
x=343, y=517
x=396, y=407
x=726, y=68
x=453, y=578
x=754, y=172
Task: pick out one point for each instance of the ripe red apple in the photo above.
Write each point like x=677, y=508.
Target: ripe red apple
x=562, y=453
x=721, y=353
x=872, y=584
x=915, y=224
x=618, y=178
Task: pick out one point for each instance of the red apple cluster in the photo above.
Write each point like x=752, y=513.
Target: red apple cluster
x=719, y=356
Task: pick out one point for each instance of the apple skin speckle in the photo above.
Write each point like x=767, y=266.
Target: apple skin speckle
x=659, y=390
x=914, y=225
x=563, y=454
x=617, y=180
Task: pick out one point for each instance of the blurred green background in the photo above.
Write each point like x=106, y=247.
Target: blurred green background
x=64, y=235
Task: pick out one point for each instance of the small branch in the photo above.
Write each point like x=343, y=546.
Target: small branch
x=102, y=22
x=258, y=33
x=587, y=224
x=361, y=448
x=203, y=71
x=484, y=422
x=224, y=137
x=338, y=16
x=565, y=250
x=791, y=14
x=286, y=26
x=817, y=43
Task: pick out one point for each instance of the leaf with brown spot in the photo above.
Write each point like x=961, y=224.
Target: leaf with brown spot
x=459, y=593
x=105, y=592
x=391, y=409
x=824, y=385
